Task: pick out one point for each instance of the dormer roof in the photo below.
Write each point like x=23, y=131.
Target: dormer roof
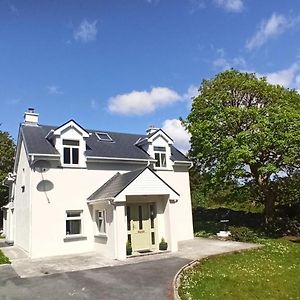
x=70, y=124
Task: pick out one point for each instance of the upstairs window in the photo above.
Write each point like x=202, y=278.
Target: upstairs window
x=160, y=156
x=71, y=152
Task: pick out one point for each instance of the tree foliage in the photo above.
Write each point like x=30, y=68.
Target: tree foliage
x=245, y=130
x=7, y=150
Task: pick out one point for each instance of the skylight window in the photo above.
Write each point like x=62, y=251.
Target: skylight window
x=103, y=136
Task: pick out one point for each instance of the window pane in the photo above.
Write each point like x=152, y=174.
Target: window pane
x=162, y=149
x=152, y=215
x=73, y=213
x=153, y=238
x=101, y=221
x=100, y=225
x=67, y=158
x=157, y=157
x=128, y=218
x=102, y=136
x=73, y=227
x=75, y=156
x=140, y=217
x=163, y=160
x=70, y=143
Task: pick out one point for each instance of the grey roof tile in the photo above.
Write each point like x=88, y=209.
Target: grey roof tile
x=123, y=145
x=116, y=184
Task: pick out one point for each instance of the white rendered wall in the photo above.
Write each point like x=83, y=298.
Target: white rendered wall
x=72, y=187
x=104, y=243
x=181, y=216
x=22, y=203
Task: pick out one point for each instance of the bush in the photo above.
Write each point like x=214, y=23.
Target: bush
x=242, y=234
x=284, y=226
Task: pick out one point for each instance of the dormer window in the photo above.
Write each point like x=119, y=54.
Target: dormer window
x=160, y=156
x=71, y=152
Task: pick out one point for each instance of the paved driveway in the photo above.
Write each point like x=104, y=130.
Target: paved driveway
x=141, y=278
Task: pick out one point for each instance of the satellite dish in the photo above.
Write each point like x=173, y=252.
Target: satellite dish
x=45, y=186
x=42, y=166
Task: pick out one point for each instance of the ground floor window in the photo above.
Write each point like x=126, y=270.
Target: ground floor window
x=73, y=222
x=101, y=221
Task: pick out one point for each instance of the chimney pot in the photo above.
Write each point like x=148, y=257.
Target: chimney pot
x=151, y=129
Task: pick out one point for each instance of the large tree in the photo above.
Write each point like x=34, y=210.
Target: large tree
x=7, y=150
x=246, y=130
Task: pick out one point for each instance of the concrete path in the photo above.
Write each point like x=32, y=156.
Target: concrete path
x=148, y=277
x=192, y=249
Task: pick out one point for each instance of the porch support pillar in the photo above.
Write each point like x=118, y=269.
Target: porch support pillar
x=120, y=230
x=173, y=243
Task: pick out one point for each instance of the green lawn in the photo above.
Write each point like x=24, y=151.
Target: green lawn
x=272, y=272
x=3, y=259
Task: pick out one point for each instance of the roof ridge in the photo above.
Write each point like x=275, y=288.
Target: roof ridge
x=95, y=130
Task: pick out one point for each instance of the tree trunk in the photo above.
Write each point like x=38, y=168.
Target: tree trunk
x=266, y=194
x=269, y=208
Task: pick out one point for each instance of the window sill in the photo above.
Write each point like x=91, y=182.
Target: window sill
x=72, y=167
x=71, y=238
x=162, y=169
x=100, y=236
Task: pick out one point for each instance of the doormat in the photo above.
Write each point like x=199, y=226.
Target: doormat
x=144, y=251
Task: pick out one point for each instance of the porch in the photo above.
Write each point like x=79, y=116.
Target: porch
x=134, y=208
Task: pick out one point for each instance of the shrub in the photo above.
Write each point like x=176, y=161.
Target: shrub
x=284, y=226
x=242, y=234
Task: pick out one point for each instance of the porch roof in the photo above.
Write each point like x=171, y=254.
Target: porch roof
x=116, y=184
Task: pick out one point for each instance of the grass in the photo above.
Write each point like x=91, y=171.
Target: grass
x=3, y=259
x=271, y=272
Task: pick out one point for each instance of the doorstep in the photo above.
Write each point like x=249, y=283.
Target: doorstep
x=137, y=254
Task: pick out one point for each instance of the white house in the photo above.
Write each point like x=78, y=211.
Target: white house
x=76, y=190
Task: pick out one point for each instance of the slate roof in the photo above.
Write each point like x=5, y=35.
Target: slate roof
x=123, y=145
x=115, y=185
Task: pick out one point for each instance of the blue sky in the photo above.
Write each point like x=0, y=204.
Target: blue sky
x=124, y=65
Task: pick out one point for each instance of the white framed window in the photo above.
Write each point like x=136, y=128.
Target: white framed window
x=160, y=156
x=103, y=136
x=71, y=152
x=101, y=221
x=73, y=222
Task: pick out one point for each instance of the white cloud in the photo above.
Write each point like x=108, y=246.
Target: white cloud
x=54, y=90
x=196, y=5
x=86, y=31
x=153, y=1
x=274, y=26
x=288, y=77
x=13, y=101
x=177, y=132
x=231, y=5
x=93, y=104
x=142, y=102
x=13, y=10
x=224, y=63
x=190, y=94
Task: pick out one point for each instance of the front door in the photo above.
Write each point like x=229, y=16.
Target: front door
x=140, y=226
